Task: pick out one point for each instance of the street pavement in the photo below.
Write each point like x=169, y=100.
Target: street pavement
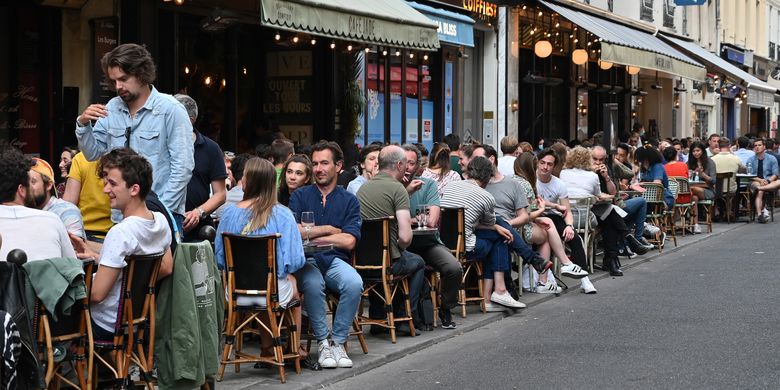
x=704, y=316
x=699, y=315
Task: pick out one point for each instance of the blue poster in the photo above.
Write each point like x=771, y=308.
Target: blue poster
x=448, y=97
x=411, y=121
x=690, y=2
x=361, y=135
x=427, y=124
x=395, y=117
x=375, y=109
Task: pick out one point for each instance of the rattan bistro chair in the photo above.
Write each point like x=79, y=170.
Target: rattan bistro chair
x=72, y=329
x=583, y=227
x=250, y=262
x=373, y=264
x=133, y=340
x=683, y=209
x=452, y=232
x=656, y=215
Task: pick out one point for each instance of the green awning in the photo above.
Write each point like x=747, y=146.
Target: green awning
x=376, y=22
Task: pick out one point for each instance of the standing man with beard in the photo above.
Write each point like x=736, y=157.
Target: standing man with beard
x=153, y=124
x=40, y=234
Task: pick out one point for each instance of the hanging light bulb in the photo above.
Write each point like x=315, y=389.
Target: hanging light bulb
x=207, y=81
x=384, y=52
x=543, y=49
x=632, y=70
x=425, y=57
x=605, y=65
x=541, y=13
x=579, y=56
x=277, y=37
x=367, y=50
x=558, y=24
x=186, y=70
x=179, y=2
x=243, y=70
x=313, y=41
x=224, y=83
x=333, y=45
x=411, y=55
x=295, y=39
x=397, y=53
x=349, y=47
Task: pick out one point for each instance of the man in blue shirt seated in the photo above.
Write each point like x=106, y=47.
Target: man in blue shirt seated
x=766, y=169
x=337, y=222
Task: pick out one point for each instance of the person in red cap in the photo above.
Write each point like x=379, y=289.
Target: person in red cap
x=44, y=194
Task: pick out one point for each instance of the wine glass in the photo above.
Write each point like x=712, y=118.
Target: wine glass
x=307, y=220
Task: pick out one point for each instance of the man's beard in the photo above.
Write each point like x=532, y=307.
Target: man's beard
x=32, y=201
x=129, y=97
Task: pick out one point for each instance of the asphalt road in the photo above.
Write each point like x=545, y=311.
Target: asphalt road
x=704, y=317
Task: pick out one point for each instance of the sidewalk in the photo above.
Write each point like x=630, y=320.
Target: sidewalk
x=381, y=350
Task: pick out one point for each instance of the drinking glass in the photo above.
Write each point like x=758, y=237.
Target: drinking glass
x=307, y=220
x=424, y=216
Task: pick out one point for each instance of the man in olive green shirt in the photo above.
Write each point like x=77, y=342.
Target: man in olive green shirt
x=384, y=196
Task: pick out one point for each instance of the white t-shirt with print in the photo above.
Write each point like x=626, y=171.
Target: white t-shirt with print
x=132, y=236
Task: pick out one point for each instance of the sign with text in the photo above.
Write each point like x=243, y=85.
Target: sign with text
x=105, y=38
x=689, y=2
x=288, y=91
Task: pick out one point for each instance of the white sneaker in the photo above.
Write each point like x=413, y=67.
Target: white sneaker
x=573, y=271
x=340, y=355
x=587, y=286
x=765, y=212
x=696, y=229
x=491, y=308
x=506, y=300
x=326, y=359
x=548, y=288
x=651, y=229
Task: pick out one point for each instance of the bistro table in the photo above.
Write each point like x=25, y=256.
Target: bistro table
x=424, y=231
x=743, y=192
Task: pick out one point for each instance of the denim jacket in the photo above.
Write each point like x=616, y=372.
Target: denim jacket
x=160, y=131
x=769, y=167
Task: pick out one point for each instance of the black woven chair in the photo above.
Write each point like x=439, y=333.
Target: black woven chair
x=452, y=232
x=251, y=272
x=372, y=261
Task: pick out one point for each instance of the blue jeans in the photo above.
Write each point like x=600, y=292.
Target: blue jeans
x=490, y=247
x=637, y=214
x=340, y=278
x=518, y=244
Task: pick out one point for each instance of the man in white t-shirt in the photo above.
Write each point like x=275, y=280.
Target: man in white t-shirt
x=40, y=234
x=128, y=179
x=509, y=149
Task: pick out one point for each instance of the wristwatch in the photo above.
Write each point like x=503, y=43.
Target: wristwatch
x=202, y=212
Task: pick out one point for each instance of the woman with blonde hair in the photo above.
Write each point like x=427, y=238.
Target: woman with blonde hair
x=582, y=182
x=260, y=214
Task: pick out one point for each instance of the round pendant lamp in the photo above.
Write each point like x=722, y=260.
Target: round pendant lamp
x=579, y=56
x=605, y=65
x=543, y=49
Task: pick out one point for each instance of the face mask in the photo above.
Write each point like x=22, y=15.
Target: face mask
x=541, y=147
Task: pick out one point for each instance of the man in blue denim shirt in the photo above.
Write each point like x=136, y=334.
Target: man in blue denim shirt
x=153, y=124
x=337, y=222
x=765, y=167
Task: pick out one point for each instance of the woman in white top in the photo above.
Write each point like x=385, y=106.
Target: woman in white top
x=582, y=182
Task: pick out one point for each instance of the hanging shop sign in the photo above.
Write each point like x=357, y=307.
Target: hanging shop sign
x=453, y=27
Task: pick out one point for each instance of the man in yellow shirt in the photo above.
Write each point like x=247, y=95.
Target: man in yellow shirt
x=85, y=190
x=727, y=162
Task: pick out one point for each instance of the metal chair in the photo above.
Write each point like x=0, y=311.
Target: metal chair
x=250, y=262
x=452, y=233
x=133, y=340
x=373, y=263
x=654, y=195
x=73, y=329
x=583, y=227
x=683, y=209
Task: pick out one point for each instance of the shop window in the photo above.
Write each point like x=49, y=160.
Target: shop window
x=396, y=101
x=646, y=10
x=412, y=93
x=427, y=99
x=375, y=97
x=701, y=123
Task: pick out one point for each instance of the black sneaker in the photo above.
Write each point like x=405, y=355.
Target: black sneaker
x=446, y=319
x=636, y=246
x=540, y=264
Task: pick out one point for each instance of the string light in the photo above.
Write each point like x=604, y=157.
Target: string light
x=333, y=45
x=295, y=39
x=224, y=82
x=368, y=50
x=411, y=55
x=397, y=53
x=277, y=37
x=425, y=57
x=207, y=81
x=243, y=70
x=541, y=13
x=186, y=70
x=313, y=41
x=384, y=52
x=349, y=47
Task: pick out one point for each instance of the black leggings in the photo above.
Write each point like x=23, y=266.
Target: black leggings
x=613, y=229
x=578, y=255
